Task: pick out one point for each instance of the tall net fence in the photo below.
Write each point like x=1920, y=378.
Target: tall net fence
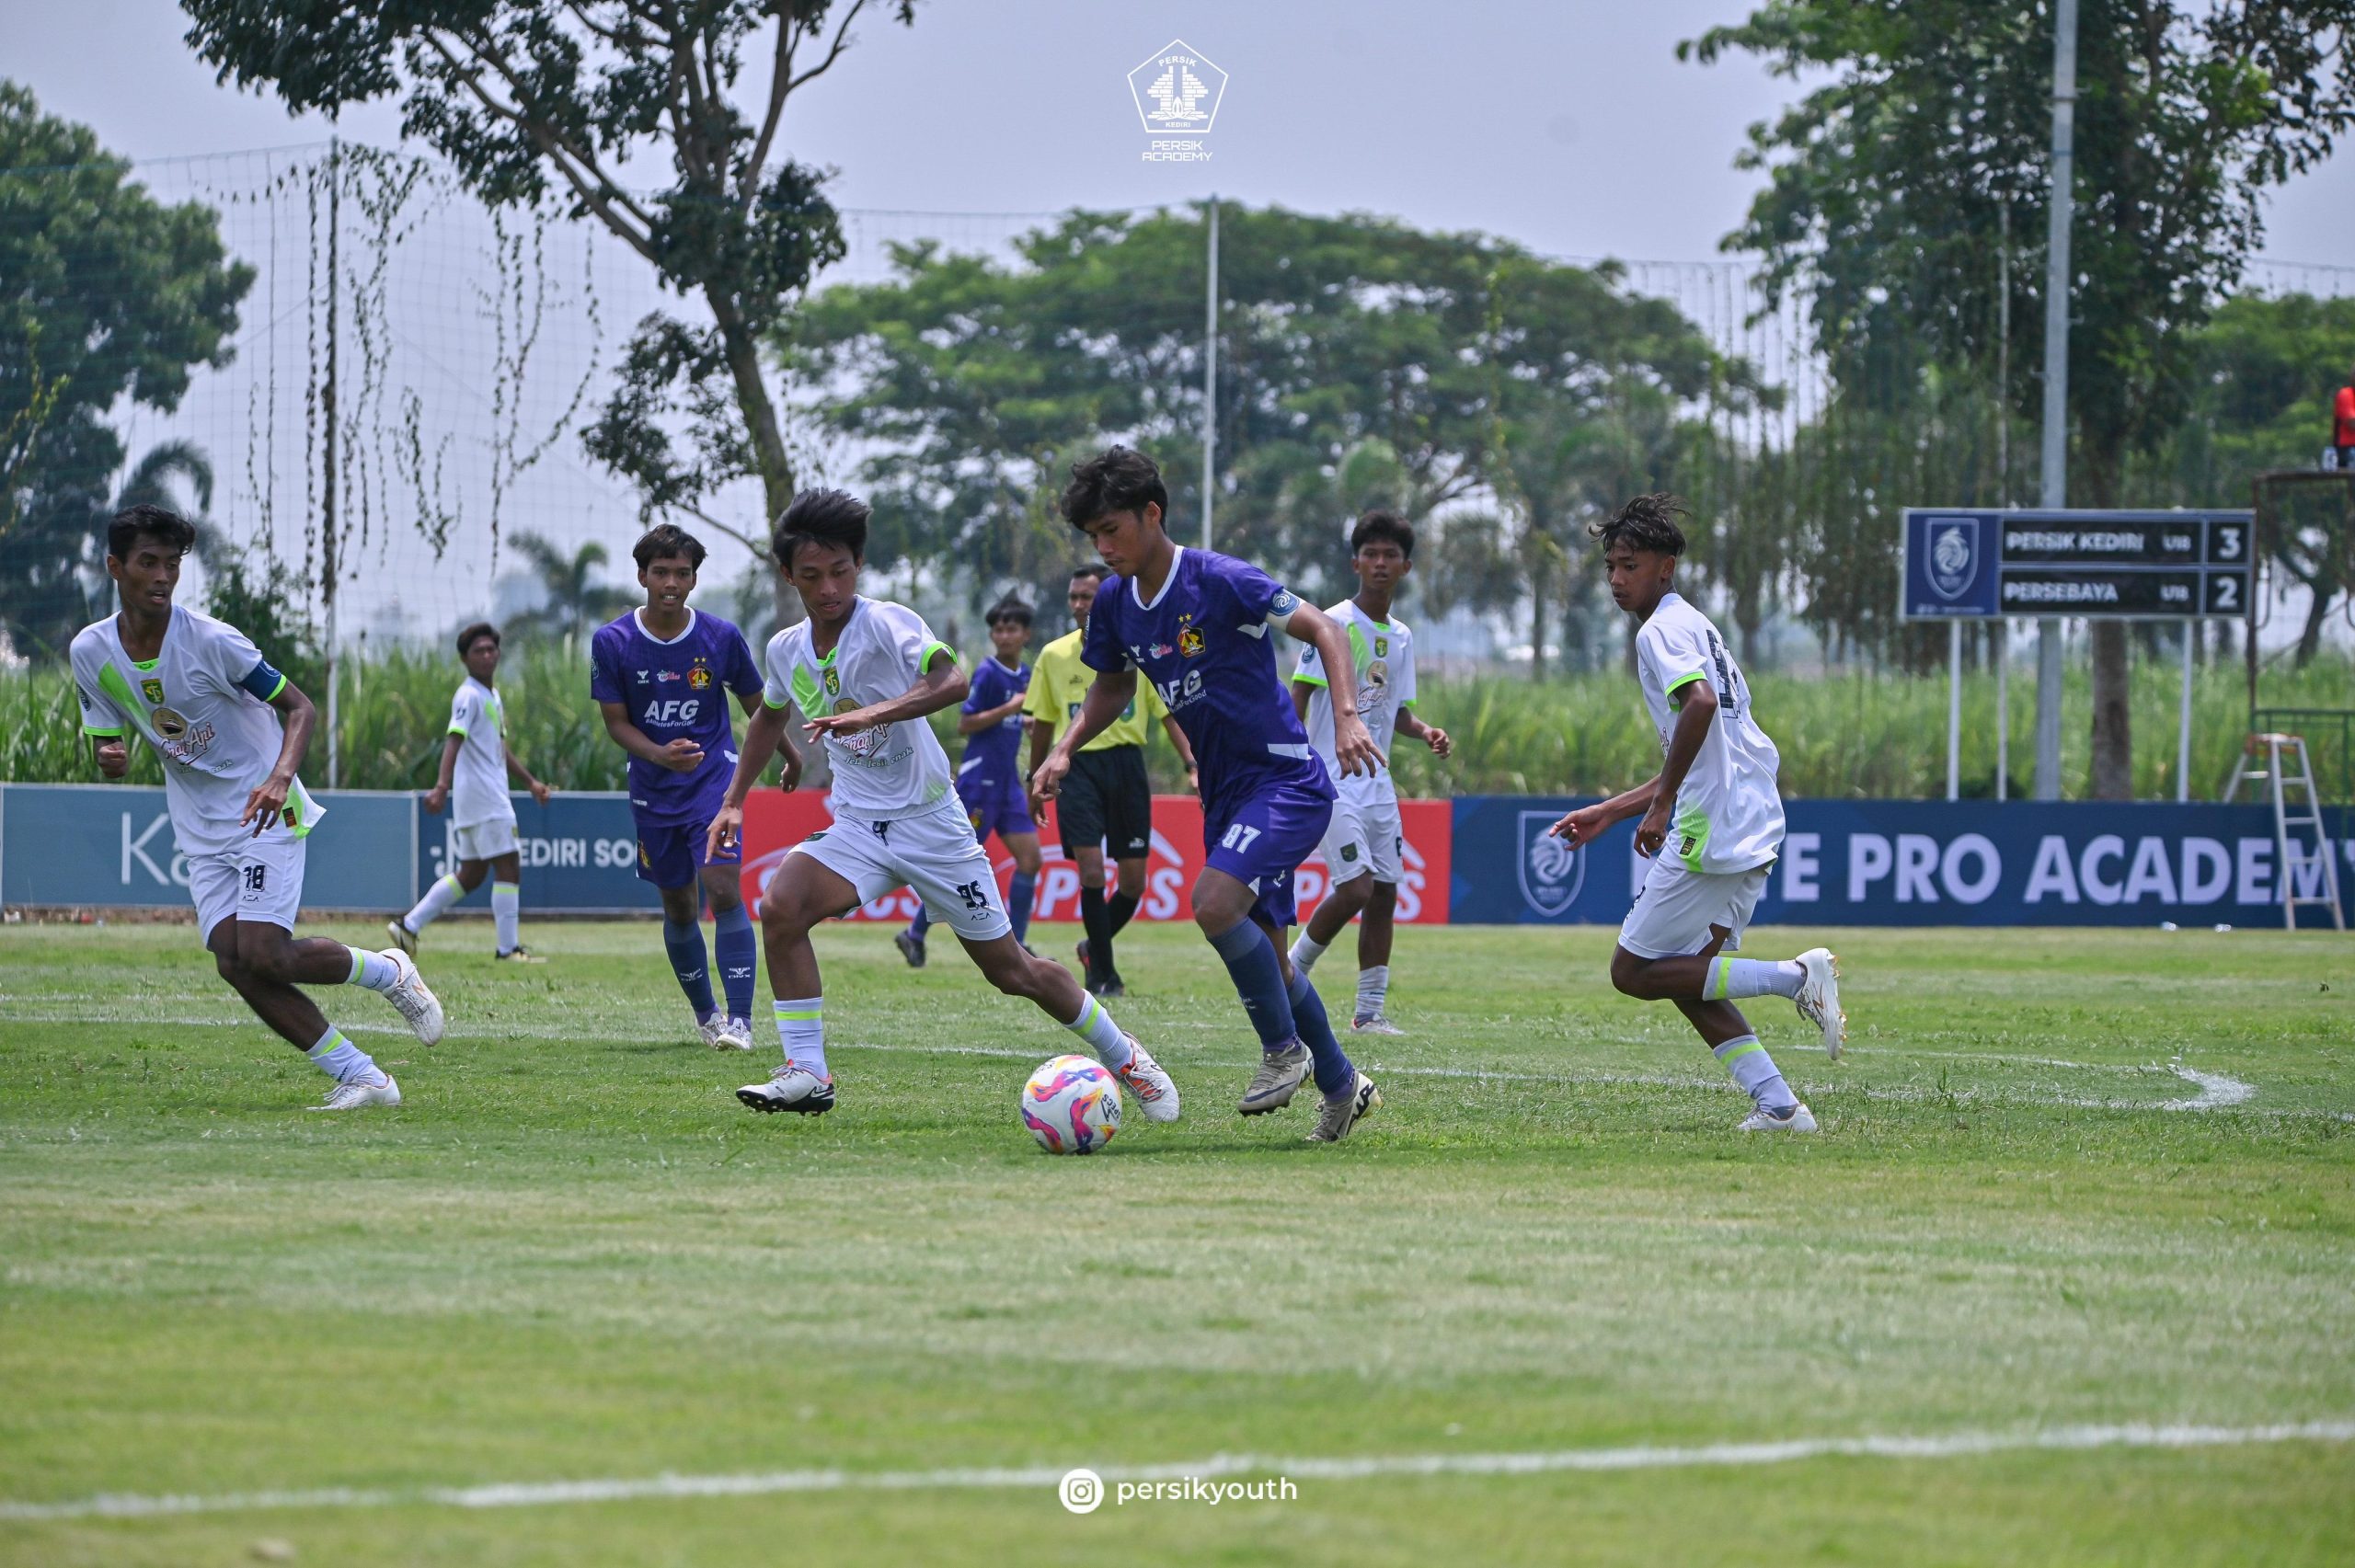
x=396, y=426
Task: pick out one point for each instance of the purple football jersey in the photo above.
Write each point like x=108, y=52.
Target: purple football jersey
x=675, y=690
x=1207, y=643
x=993, y=749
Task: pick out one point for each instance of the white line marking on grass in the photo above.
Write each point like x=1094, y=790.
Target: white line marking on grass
x=525, y=1494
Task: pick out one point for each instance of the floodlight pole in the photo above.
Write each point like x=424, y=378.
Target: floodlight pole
x=1209, y=376
x=328, y=566
x=1953, y=710
x=2183, y=733
x=2056, y=376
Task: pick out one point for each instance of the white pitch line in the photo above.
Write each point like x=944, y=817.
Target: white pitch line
x=525, y=1494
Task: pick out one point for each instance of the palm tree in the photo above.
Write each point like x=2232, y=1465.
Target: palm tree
x=574, y=604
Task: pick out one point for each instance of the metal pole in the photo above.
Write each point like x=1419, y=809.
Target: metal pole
x=2183, y=719
x=2002, y=709
x=1953, y=710
x=2056, y=375
x=328, y=566
x=1210, y=378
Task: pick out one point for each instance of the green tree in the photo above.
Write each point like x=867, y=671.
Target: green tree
x=1360, y=361
x=530, y=98
x=573, y=601
x=1890, y=190
x=105, y=294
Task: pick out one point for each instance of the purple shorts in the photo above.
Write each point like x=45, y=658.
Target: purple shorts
x=668, y=853
x=1262, y=838
x=996, y=806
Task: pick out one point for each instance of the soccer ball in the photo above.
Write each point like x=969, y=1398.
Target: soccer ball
x=1072, y=1106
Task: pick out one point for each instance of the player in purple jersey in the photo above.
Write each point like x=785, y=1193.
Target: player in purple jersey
x=989, y=779
x=661, y=675
x=1196, y=624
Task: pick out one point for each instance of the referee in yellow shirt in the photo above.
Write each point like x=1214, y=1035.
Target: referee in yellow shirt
x=1106, y=801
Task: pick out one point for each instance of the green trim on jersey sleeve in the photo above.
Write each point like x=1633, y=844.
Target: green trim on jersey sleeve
x=1681, y=681
x=112, y=734
x=773, y=707
x=924, y=655
x=1300, y=679
x=456, y=728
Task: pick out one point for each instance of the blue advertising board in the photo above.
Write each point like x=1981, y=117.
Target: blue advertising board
x=110, y=845
x=580, y=854
x=1917, y=863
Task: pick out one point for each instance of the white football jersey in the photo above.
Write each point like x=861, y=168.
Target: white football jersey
x=1729, y=815
x=886, y=771
x=479, y=779
x=1383, y=653
x=202, y=703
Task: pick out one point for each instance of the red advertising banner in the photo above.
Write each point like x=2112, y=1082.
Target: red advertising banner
x=775, y=822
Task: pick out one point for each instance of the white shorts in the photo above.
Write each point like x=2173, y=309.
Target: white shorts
x=1364, y=832
x=933, y=851
x=260, y=880
x=1676, y=906
x=487, y=840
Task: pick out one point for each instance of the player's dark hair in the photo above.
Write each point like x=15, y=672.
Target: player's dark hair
x=1647, y=522
x=820, y=517
x=479, y=629
x=1094, y=570
x=1117, y=480
x=145, y=521
x=1010, y=608
x=1383, y=524
x=664, y=541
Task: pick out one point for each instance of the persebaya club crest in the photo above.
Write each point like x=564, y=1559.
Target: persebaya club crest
x=834, y=685
x=152, y=688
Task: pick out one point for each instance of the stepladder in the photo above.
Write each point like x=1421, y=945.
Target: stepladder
x=2309, y=868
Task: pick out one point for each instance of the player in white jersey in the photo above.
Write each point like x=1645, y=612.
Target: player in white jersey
x=1712, y=826
x=477, y=763
x=864, y=673
x=1367, y=842
x=202, y=695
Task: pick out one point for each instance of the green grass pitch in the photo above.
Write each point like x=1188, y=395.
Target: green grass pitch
x=2065, y=1179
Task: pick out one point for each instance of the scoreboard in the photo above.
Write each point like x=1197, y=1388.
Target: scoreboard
x=1984, y=565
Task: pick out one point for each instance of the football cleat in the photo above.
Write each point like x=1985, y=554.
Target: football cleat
x=403, y=938
x=519, y=954
x=1377, y=1025
x=414, y=998
x=1277, y=1080
x=1144, y=1077
x=1337, y=1117
x=791, y=1088
x=1819, y=998
x=911, y=948
x=1798, y=1118
x=734, y=1035
x=358, y=1095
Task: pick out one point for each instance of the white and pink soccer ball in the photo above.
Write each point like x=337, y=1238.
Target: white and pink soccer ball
x=1072, y=1106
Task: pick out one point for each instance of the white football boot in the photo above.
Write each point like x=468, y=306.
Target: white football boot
x=708, y=1031
x=1156, y=1093
x=356, y=1096
x=1336, y=1118
x=1797, y=1119
x=791, y=1088
x=414, y=998
x=1819, y=998
x=403, y=938
x=1277, y=1081
x=1377, y=1025
x=735, y=1034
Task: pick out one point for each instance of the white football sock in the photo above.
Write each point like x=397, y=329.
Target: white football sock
x=342, y=1060
x=1733, y=978
x=1103, y=1036
x=444, y=892
x=506, y=912
x=801, y=1030
x=1373, y=990
x=1306, y=951
x=373, y=971
x=1753, y=1070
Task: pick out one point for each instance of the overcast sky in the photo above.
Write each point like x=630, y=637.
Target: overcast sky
x=1566, y=125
